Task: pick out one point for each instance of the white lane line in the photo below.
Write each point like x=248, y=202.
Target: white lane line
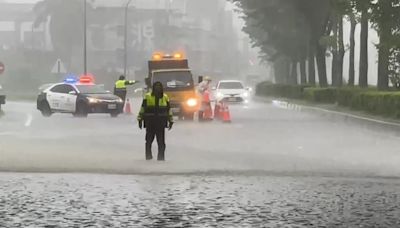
x=28, y=121
x=287, y=105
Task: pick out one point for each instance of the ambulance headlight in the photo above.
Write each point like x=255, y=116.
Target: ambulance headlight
x=191, y=102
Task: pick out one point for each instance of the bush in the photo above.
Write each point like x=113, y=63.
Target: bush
x=345, y=95
x=378, y=103
x=279, y=90
x=368, y=100
x=320, y=95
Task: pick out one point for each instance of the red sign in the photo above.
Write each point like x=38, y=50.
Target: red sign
x=2, y=68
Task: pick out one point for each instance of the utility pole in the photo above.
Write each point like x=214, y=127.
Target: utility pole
x=126, y=38
x=85, y=38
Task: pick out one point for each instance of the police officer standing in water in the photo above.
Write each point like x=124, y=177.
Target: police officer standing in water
x=155, y=115
x=120, y=88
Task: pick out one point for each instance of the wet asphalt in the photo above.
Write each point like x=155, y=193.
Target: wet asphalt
x=270, y=167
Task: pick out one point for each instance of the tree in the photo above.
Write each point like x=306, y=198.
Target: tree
x=363, y=6
x=311, y=63
x=394, y=68
x=316, y=13
x=341, y=8
x=386, y=20
x=294, y=31
x=353, y=26
x=295, y=37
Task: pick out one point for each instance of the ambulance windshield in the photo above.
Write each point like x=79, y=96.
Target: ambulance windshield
x=174, y=79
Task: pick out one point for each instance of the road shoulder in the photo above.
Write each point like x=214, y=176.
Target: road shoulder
x=333, y=110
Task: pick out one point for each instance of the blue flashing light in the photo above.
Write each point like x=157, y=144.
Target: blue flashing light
x=71, y=79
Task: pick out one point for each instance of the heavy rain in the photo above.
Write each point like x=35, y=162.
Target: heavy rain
x=189, y=113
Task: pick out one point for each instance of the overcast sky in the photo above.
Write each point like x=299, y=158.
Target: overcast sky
x=20, y=1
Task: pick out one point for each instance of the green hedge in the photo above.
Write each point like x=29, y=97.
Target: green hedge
x=368, y=100
x=379, y=103
x=320, y=95
x=279, y=90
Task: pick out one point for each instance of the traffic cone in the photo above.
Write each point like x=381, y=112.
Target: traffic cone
x=128, y=108
x=226, y=115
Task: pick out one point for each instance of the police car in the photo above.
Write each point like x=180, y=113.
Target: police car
x=79, y=97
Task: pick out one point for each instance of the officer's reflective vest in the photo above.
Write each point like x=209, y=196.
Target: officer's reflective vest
x=206, y=97
x=149, y=108
x=120, y=84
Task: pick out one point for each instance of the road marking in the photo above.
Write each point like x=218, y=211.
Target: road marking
x=355, y=116
x=287, y=105
x=28, y=121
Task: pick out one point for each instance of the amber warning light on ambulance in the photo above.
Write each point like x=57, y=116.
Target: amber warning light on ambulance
x=160, y=56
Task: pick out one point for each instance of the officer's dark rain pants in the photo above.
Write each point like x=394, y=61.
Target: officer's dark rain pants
x=121, y=93
x=155, y=129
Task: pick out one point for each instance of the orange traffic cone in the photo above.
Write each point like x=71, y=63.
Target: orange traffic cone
x=208, y=113
x=128, y=108
x=226, y=115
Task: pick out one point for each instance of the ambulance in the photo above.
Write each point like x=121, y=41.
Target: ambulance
x=174, y=73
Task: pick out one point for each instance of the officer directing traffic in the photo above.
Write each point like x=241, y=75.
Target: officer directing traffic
x=120, y=88
x=156, y=115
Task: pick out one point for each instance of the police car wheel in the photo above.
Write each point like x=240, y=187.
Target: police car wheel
x=114, y=114
x=45, y=109
x=81, y=110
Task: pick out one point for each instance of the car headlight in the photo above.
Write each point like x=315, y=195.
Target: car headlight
x=245, y=94
x=191, y=102
x=220, y=95
x=93, y=100
x=119, y=100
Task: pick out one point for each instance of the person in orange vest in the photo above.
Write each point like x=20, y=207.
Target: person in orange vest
x=204, y=87
x=207, y=115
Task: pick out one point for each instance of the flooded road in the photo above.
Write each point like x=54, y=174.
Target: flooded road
x=261, y=138
x=271, y=167
x=49, y=200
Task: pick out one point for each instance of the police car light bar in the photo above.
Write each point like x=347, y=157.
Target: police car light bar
x=87, y=79
x=71, y=79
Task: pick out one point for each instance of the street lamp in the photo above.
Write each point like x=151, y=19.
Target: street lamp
x=84, y=37
x=126, y=38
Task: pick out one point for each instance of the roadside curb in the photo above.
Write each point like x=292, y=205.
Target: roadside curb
x=365, y=121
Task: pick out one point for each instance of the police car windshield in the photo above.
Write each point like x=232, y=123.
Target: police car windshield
x=91, y=89
x=174, y=79
x=230, y=85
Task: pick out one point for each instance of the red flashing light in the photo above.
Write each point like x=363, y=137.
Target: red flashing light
x=86, y=79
